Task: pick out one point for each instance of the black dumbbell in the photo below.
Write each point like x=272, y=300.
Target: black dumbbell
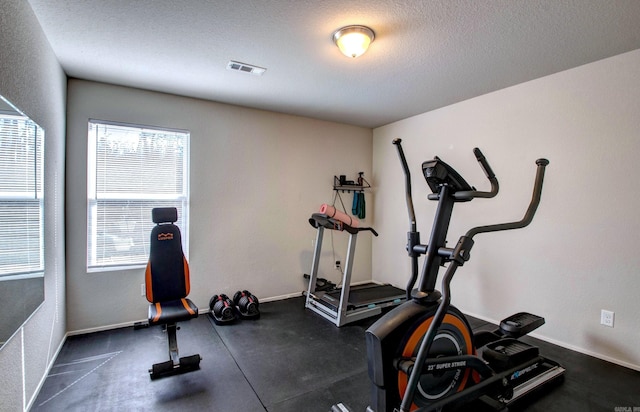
x=247, y=304
x=222, y=308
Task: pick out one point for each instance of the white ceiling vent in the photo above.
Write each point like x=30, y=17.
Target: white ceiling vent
x=246, y=68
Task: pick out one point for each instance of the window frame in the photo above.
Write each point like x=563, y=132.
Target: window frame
x=34, y=195
x=93, y=197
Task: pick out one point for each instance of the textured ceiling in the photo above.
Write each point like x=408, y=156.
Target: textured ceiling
x=426, y=55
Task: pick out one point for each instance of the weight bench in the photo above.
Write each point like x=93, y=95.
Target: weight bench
x=167, y=287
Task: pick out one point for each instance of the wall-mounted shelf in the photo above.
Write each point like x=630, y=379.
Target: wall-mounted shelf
x=358, y=185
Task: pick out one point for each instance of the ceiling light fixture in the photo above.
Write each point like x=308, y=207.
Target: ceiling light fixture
x=353, y=41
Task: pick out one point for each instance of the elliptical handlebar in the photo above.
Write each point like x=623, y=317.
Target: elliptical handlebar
x=407, y=180
x=413, y=236
x=484, y=164
x=531, y=210
x=470, y=194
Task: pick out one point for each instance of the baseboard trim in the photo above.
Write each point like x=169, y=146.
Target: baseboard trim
x=281, y=297
x=568, y=346
x=104, y=328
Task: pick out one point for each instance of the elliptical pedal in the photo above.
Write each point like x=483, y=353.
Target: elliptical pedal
x=520, y=324
x=507, y=353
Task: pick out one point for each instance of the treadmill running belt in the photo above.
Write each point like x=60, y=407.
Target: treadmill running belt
x=363, y=296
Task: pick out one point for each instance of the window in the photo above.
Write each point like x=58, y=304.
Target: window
x=21, y=196
x=131, y=170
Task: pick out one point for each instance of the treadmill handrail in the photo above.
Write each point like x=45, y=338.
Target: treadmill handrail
x=320, y=219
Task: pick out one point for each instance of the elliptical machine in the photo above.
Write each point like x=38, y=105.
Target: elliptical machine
x=423, y=354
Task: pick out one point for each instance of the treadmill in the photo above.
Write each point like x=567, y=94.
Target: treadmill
x=348, y=303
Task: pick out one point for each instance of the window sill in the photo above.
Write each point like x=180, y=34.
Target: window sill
x=99, y=269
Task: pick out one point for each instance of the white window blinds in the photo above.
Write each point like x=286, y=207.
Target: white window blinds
x=21, y=196
x=132, y=169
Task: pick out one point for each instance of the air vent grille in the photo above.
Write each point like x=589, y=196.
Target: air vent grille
x=245, y=68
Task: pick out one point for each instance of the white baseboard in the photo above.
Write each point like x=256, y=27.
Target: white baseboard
x=281, y=297
x=587, y=352
x=142, y=321
x=106, y=327
x=567, y=345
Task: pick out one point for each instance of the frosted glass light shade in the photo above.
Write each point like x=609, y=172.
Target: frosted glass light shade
x=353, y=41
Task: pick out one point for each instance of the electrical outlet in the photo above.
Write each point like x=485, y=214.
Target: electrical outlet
x=606, y=318
x=143, y=289
x=337, y=264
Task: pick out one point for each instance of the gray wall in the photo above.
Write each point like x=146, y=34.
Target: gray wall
x=32, y=79
x=256, y=177
x=580, y=253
